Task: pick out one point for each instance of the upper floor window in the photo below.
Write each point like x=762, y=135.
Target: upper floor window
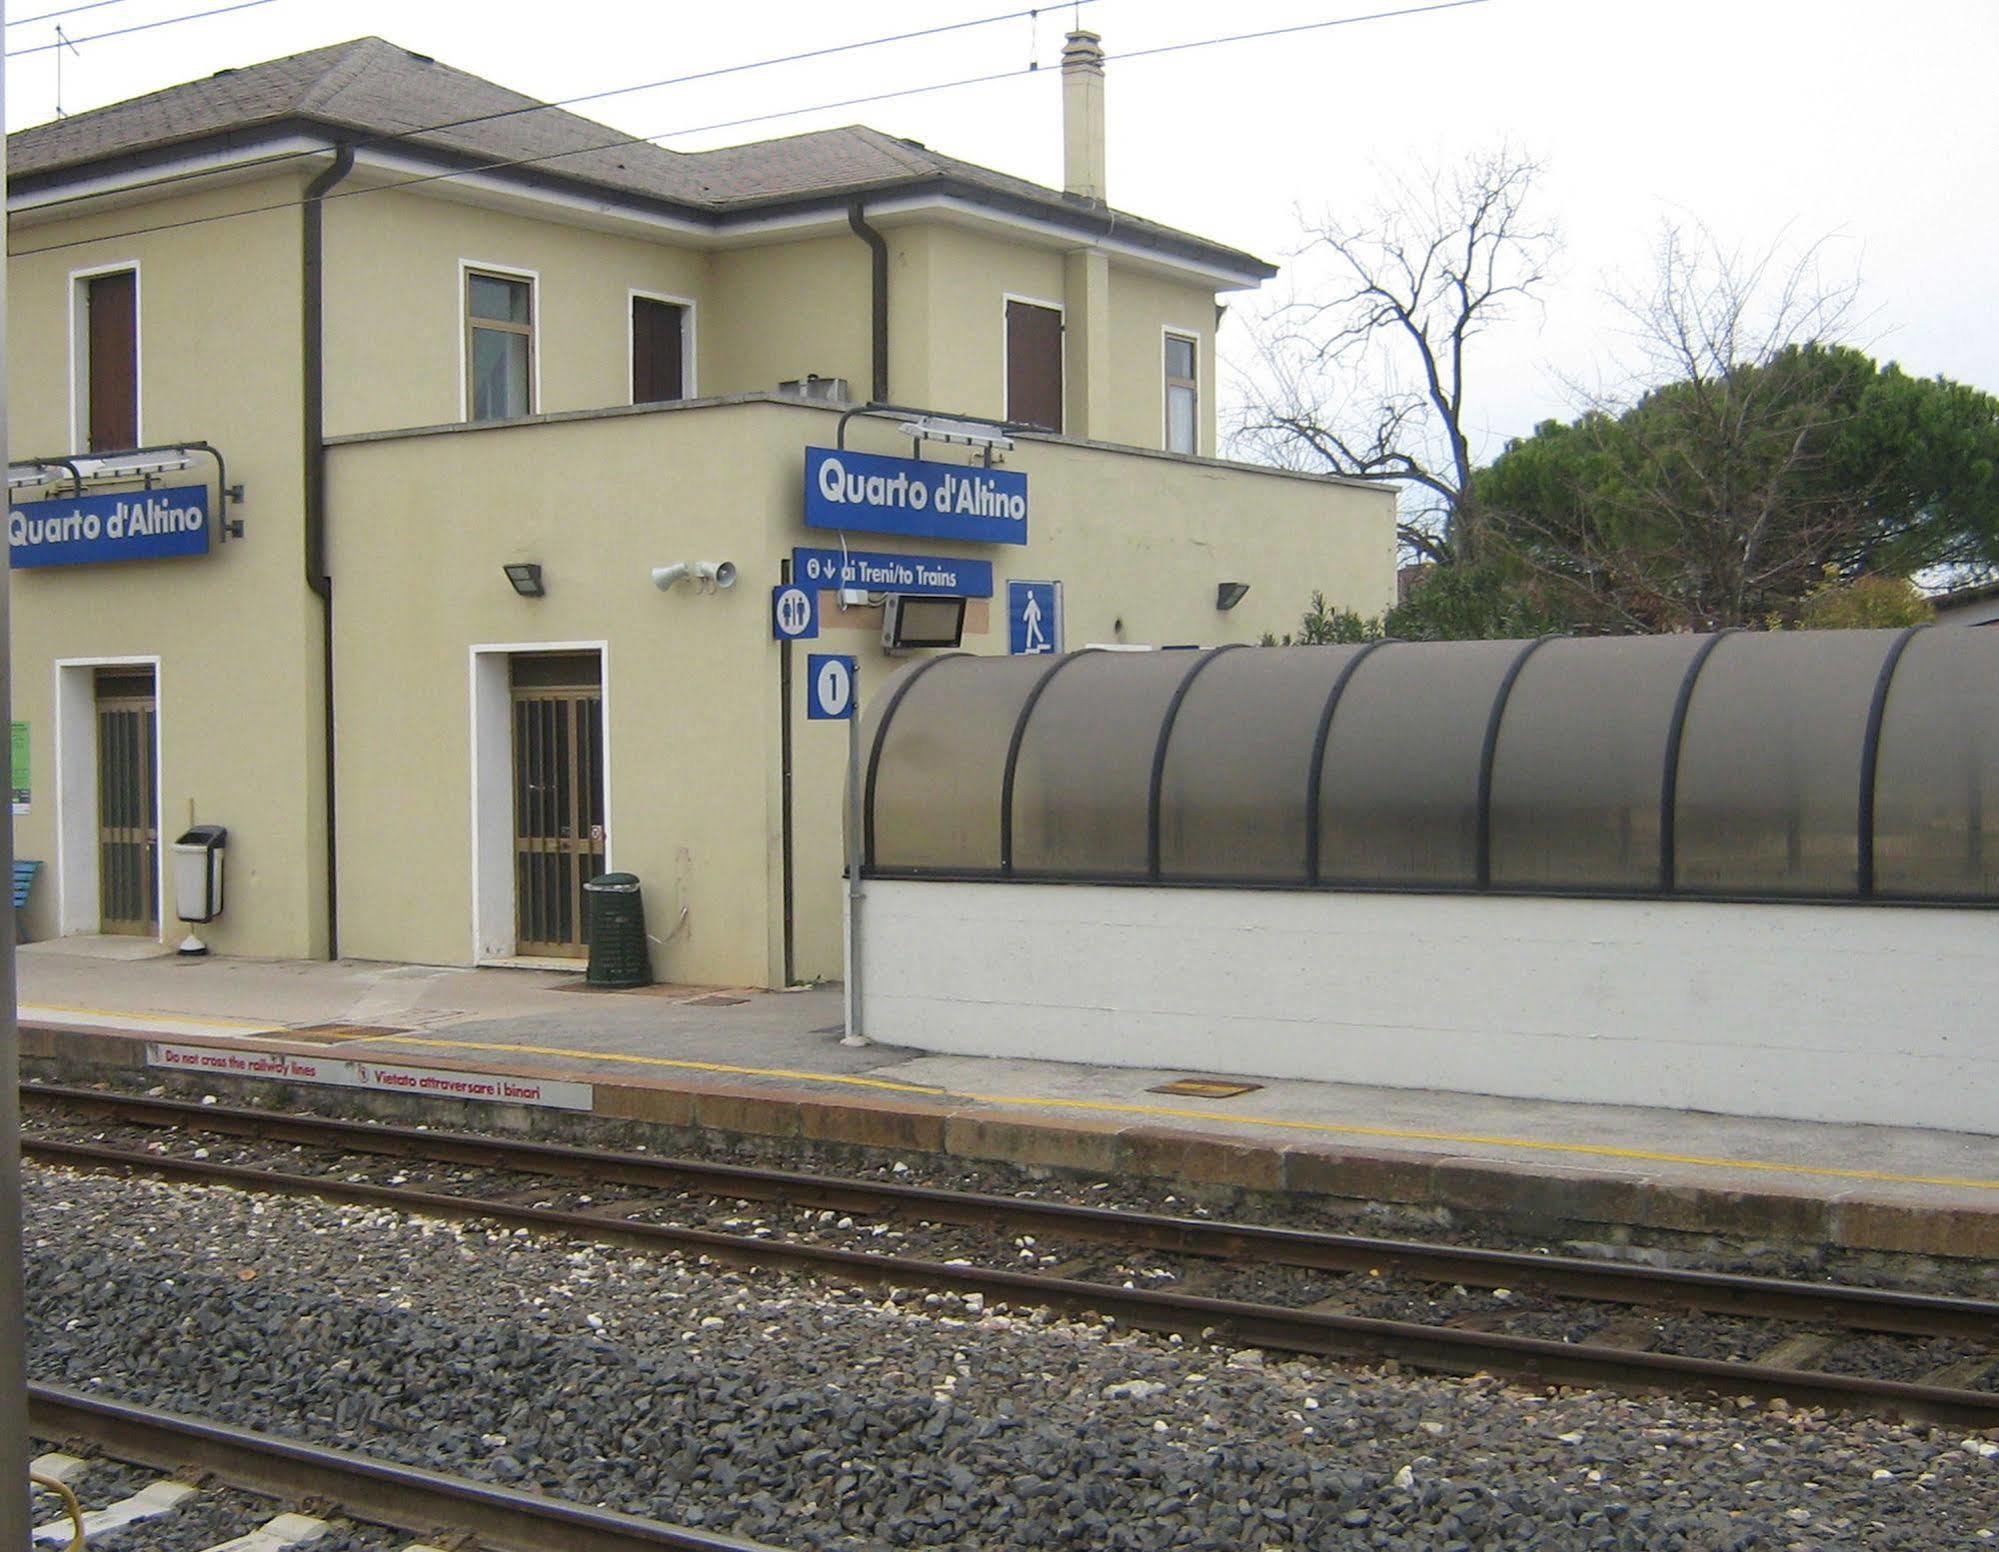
x=1183, y=395
x=662, y=331
x=499, y=345
x=107, y=368
x=1034, y=364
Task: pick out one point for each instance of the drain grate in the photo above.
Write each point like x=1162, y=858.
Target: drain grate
x=1205, y=1088
x=331, y=1034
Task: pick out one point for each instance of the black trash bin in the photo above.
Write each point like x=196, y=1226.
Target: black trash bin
x=617, y=932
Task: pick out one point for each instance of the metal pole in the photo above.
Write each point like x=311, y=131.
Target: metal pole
x=785, y=792
x=14, y=1522
x=855, y=1035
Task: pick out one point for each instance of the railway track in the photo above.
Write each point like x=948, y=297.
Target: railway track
x=1622, y=1362
x=376, y=1492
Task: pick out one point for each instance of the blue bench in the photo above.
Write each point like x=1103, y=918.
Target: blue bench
x=24, y=881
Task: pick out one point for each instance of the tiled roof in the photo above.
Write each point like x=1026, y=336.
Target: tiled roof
x=373, y=90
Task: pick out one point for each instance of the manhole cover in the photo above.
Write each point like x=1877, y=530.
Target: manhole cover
x=1205, y=1088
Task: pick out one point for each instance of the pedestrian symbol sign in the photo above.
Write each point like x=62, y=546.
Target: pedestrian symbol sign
x=829, y=687
x=1033, y=617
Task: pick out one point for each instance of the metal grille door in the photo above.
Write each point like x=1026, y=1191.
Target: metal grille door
x=128, y=816
x=558, y=800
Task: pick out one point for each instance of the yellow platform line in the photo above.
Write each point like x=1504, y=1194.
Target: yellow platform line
x=266, y=1026
x=1036, y=1101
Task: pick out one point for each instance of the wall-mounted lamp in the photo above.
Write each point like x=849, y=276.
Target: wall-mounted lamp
x=525, y=575
x=713, y=575
x=1229, y=594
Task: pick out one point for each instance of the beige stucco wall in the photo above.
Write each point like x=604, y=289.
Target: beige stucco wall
x=789, y=309
x=395, y=306
x=692, y=685
x=1143, y=307
x=236, y=633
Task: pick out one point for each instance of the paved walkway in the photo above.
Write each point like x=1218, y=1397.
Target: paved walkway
x=749, y=1060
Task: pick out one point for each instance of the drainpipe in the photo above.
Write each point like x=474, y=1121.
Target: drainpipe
x=317, y=577
x=878, y=247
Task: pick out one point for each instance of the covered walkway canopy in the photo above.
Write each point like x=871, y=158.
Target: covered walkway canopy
x=1818, y=765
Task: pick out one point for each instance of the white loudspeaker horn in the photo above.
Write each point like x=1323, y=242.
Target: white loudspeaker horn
x=720, y=573
x=663, y=577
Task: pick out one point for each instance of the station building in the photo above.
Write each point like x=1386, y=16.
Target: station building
x=404, y=472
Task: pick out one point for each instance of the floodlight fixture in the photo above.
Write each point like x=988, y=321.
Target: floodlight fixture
x=525, y=575
x=132, y=466
x=1229, y=594
x=965, y=433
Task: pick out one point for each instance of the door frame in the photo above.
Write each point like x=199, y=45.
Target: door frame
x=78, y=906
x=495, y=918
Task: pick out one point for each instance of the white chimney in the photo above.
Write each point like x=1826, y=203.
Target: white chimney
x=1083, y=116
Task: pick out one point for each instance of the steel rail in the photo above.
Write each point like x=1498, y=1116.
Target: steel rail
x=1860, y=1309
x=1322, y=1333
x=377, y=1491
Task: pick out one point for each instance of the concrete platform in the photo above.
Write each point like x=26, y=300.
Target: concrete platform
x=529, y=1048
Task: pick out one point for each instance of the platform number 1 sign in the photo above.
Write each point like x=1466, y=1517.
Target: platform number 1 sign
x=829, y=687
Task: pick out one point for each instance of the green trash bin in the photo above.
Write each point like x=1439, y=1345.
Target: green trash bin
x=617, y=932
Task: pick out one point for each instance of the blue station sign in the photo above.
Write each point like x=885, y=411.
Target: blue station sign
x=876, y=571
x=878, y=494
x=132, y=525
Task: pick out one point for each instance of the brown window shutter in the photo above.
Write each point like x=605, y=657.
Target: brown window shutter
x=658, y=370
x=1034, y=365
x=113, y=305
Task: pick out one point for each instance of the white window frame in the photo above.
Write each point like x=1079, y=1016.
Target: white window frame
x=490, y=697
x=467, y=268
x=79, y=352
x=687, y=368
x=1169, y=331
x=1062, y=353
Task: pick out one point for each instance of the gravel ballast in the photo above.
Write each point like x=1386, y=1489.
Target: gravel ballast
x=807, y=1416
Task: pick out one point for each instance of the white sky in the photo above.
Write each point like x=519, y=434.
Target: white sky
x=1869, y=123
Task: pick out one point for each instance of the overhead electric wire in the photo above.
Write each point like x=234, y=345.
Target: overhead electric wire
x=68, y=10
x=120, y=32
x=736, y=123
x=856, y=45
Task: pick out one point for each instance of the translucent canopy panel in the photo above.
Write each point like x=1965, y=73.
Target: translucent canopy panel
x=1082, y=788
x=1936, y=794
x=1835, y=765
x=1579, y=764
x=1770, y=766
x=1399, y=796
x=938, y=773
x=1233, y=792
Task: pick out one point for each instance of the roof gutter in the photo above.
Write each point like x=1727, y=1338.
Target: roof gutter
x=317, y=576
x=878, y=251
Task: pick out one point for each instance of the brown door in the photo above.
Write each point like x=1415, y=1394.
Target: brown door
x=558, y=707
x=658, y=370
x=1034, y=365
x=112, y=302
x=128, y=815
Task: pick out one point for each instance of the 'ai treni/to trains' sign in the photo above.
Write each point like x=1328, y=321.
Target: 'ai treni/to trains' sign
x=131, y=525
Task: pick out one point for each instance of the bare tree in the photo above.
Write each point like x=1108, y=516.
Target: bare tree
x=1372, y=381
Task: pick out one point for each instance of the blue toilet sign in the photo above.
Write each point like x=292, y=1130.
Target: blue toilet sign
x=794, y=613
x=1033, y=617
x=829, y=687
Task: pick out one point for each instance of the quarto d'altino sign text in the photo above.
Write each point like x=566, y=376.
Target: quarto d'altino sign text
x=132, y=525
x=877, y=494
